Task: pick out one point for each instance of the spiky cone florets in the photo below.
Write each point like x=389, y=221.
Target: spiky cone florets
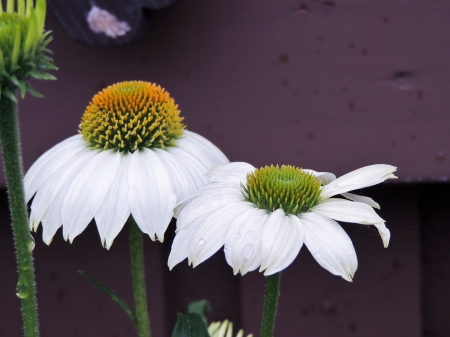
x=288, y=188
x=23, y=45
x=128, y=116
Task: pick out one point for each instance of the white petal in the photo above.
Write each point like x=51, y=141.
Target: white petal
x=210, y=236
x=47, y=164
x=151, y=197
x=54, y=189
x=213, y=151
x=348, y=211
x=205, y=204
x=235, y=173
x=282, y=239
x=384, y=233
x=360, y=178
x=243, y=240
x=88, y=191
x=210, y=190
x=324, y=177
x=329, y=245
x=360, y=198
x=115, y=210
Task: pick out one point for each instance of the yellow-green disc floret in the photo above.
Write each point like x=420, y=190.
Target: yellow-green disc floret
x=128, y=116
x=288, y=188
x=23, y=46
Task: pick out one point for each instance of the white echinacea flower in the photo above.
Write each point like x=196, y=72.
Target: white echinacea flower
x=133, y=156
x=224, y=329
x=264, y=216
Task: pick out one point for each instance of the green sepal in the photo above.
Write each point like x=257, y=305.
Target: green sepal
x=190, y=325
x=111, y=294
x=41, y=7
x=16, y=49
x=21, y=7
x=41, y=76
x=200, y=307
x=10, y=6
x=20, y=84
x=6, y=92
x=33, y=91
x=32, y=37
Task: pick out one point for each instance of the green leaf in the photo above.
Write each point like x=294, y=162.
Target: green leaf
x=41, y=76
x=110, y=293
x=9, y=94
x=33, y=91
x=200, y=307
x=190, y=325
x=20, y=84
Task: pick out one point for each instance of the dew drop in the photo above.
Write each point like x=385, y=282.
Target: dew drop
x=26, y=263
x=201, y=242
x=31, y=244
x=225, y=250
x=237, y=236
x=22, y=289
x=247, y=251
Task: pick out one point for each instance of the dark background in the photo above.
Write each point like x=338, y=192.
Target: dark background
x=326, y=85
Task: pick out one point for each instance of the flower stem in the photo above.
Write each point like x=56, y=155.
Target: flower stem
x=270, y=304
x=137, y=272
x=12, y=161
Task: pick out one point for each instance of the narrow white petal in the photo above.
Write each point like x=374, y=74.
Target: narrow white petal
x=348, y=211
x=210, y=236
x=56, y=187
x=360, y=198
x=209, y=191
x=243, y=240
x=151, y=196
x=235, y=173
x=282, y=239
x=384, y=233
x=49, y=163
x=360, y=178
x=88, y=191
x=115, y=210
x=213, y=151
x=324, y=177
x=329, y=245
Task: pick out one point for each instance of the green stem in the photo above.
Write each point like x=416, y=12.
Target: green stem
x=12, y=161
x=137, y=272
x=270, y=304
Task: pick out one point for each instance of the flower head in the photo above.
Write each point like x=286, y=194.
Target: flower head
x=224, y=329
x=264, y=216
x=132, y=156
x=23, y=43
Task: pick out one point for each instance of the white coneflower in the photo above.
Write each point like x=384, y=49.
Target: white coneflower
x=264, y=216
x=133, y=156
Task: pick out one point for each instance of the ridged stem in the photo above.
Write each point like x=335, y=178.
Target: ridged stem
x=12, y=161
x=270, y=304
x=138, y=275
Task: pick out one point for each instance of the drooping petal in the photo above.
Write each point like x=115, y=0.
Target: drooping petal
x=213, y=152
x=348, y=211
x=384, y=233
x=210, y=236
x=360, y=178
x=207, y=203
x=209, y=191
x=243, y=240
x=88, y=191
x=235, y=173
x=151, y=197
x=324, y=177
x=115, y=210
x=49, y=163
x=329, y=245
x=282, y=239
x=363, y=199
x=53, y=190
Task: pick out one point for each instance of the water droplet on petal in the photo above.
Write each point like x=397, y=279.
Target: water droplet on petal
x=237, y=236
x=225, y=250
x=247, y=251
x=201, y=242
x=31, y=244
x=22, y=289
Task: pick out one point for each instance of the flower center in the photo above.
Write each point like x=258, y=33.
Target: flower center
x=285, y=187
x=131, y=115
